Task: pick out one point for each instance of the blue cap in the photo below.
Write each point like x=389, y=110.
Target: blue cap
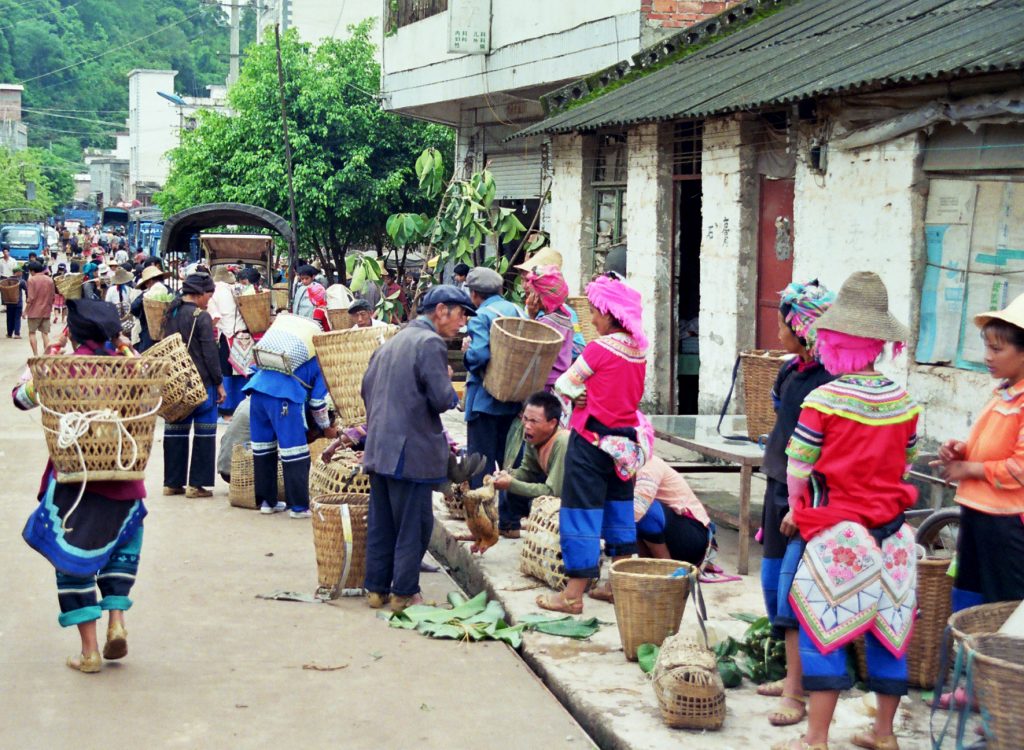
x=447, y=294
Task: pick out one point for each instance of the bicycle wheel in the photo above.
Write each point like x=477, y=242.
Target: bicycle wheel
x=938, y=532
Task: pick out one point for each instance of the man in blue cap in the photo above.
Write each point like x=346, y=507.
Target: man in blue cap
x=406, y=388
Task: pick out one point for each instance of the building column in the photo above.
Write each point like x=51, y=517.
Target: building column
x=569, y=213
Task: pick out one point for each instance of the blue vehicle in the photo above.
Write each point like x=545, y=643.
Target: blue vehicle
x=23, y=239
x=142, y=223
x=113, y=218
x=86, y=216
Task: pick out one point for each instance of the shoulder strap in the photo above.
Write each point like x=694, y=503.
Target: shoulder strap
x=725, y=406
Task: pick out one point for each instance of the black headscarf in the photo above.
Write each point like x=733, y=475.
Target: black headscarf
x=93, y=320
x=197, y=283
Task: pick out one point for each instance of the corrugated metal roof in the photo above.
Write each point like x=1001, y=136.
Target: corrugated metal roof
x=813, y=48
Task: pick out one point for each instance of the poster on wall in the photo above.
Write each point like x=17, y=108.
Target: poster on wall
x=469, y=26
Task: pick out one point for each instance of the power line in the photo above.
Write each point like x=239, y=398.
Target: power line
x=73, y=117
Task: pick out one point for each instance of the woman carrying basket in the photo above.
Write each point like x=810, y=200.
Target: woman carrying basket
x=95, y=541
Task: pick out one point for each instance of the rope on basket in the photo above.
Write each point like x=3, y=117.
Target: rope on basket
x=73, y=425
x=528, y=371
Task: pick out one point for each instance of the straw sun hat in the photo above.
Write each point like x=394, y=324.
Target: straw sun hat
x=862, y=309
x=149, y=273
x=546, y=256
x=1013, y=314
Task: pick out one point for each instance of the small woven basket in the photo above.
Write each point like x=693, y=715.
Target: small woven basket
x=69, y=285
x=342, y=475
x=116, y=397
x=760, y=368
x=156, y=311
x=996, y=665
x=340, y=320
x=10, y=291
x=280, y=296
x=344, y=357
x=522, y=355
x=581, y=306
x=453, y=504
x=541, y=553
x=339, y=537
x=255, y=311
x=183, y=390
x=649, y=602
x=934, y=593
x=242, y=490
x=688, y=686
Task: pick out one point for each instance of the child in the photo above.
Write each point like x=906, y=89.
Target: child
x=990, y=470
x=607, y=383
x=848, y=457
x=799, y=309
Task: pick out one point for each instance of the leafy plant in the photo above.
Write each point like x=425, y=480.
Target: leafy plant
x=758, y=656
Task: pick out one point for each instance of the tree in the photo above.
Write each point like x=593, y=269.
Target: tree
x=352, y=160
x=17, y=170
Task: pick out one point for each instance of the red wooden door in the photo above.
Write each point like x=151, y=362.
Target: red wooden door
x=774, y=256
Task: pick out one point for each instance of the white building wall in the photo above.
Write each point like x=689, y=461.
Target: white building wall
x=152, y=125
x=566, y=212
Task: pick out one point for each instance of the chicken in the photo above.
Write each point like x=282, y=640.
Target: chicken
x=460, y=471
x=482, y=516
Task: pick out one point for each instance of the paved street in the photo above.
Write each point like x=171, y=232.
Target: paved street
x=212, y=666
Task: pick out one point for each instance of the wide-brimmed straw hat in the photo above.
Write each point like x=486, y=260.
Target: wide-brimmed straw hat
x=1013, y=314
x=149, y=273
x=223, y=273
x=121, y=276
x=546, y=256
x=862, y=309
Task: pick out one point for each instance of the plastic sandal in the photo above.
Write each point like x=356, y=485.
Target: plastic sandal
x=786, y=716
x=871, y=742
x=799, y=744
x=771, y=689
x=560, y=603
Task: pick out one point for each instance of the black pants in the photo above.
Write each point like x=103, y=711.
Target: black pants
x=399, y=526
x=202, y=425
x=487, y=435
x=14, y=320
x=989, y=551
x=687, y=538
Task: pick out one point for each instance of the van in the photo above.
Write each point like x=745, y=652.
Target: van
x=23, y=239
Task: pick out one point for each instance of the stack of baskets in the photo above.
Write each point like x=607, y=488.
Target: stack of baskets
x=10, y=291
x=688, y=686
x=242, y=490
x=581, y=307
x=117, y=398
x=69, y=285
x=522, y=355
x=541, y=554
x=339, y=538
x=649, y=600
x=255, y=311
x=183, y=390
x=156, y=311
x=760, y=368
x=344, y=357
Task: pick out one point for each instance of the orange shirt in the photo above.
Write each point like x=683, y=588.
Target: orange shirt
x=997, y=441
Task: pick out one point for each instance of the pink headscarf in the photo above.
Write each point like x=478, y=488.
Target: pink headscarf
x=549, y=285
x=842, y=353
x=618, y=299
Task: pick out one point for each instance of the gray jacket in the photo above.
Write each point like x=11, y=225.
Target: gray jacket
x=406, y=389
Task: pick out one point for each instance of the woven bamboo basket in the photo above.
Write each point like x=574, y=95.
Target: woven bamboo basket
x=924, y=654
x=996, y=665
x=125, y=391
x=760, y=368
x=280, y=296
x=453, y=504
x=183, y=390
x=649, y=603
x=156, y=311
x=340, y=556
x=581, y=307
x=541, y=553
x=242, y=490
x=688, y=686
x=255, y=311
x=344, y=357
x=340, y=320
x=343, y=474
x=522, y=355
x=980, y=620
x=10, y=291
x=69, y=285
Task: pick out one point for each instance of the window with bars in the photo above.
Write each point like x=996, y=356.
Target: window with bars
x=687, y=145
x=609, y=184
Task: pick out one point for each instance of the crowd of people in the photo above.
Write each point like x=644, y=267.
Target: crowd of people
x=834, y=526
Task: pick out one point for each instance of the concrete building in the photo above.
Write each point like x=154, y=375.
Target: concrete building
x=317, y=19
x=813, y=140
x=83, y=188
x=13, y=131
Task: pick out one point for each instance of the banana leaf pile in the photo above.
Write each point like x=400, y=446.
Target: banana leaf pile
x=758, y=656
x=478, y=619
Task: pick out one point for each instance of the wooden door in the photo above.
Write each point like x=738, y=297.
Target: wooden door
x=774, y=256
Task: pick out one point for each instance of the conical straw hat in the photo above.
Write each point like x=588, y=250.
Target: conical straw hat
x=862, y=309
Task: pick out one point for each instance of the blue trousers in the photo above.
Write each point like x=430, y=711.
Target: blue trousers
x=776, y=581
x=487, y=435
x=277, y=426
x=77, y=595
x=233, y=388
x=201, y=424
x=887, y=675
x=399, y=525
x=14, y=320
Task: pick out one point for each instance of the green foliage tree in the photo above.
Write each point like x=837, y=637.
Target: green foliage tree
x=352, y=160
x=17, y=170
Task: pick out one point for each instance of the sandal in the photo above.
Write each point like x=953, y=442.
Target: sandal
x=560, y=603
x=786, y=716
x=116, y=646
x=870, y=741
x=799, y=744
x=88, y=663
x=771, y=689
x=603, y=593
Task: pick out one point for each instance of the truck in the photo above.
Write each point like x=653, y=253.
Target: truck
x=144, y=224
x=23, y=239
x=85, y=216
x=114, y=217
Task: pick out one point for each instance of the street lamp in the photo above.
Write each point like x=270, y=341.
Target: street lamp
x=180, y=103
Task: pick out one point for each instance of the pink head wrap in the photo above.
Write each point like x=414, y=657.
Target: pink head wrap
x=842, y=353
x=549, y=285
x=618, y=299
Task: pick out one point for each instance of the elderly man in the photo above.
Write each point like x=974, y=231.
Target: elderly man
x=487, y=419
x=542, y=467
x=362, y=315
x=406, y=388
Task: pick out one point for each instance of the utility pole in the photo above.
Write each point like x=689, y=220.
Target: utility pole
x=292, y=257
x=233, y=60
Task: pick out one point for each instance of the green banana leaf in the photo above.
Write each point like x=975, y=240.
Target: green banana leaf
x=647, y=656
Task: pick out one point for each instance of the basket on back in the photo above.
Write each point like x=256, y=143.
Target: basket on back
x=10, y=291
x=649, y=600
x=995, y=666
x=541, y=553
x=255, y=311
x=340, y=319
x=581, y=307
x=156, y=312
x=760, y=368
x=280, y=296
x=242, y=489
x=110, y=403
x=339, y=538
x=522, y=355
x=183, y=390
x=344, y=357
x=69, y=285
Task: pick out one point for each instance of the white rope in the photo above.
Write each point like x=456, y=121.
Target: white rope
x=73, y=425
